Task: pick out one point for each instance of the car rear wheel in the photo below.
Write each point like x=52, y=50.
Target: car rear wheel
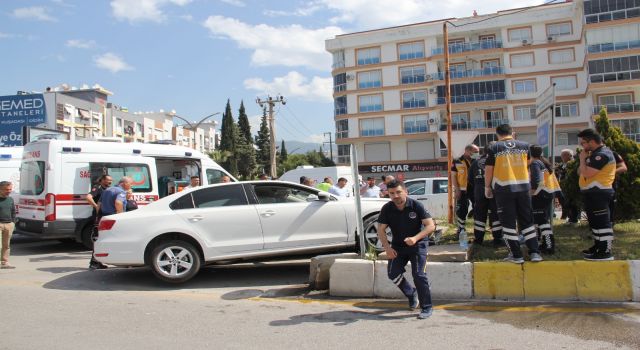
x=371, y=233
x=175, y=261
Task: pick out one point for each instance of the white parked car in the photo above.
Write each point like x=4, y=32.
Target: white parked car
x=230, y=222
x=431, y=192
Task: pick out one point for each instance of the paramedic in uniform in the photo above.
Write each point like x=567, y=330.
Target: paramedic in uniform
x=482, y=205
x=544, y=187
x=597, y=173
x=93, y=198
x=460, y=169
x=507, y=178
x=410, y=225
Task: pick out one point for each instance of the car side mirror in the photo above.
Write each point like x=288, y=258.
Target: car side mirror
x=324, y=196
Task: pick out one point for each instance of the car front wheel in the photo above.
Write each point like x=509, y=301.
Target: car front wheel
x=371, y=233
x=175, y=261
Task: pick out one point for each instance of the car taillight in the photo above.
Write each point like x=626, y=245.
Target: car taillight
x=106, y=224
x=50, y=207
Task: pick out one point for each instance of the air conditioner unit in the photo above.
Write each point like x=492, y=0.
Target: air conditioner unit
x=433, y=90
x=526, y=42
x=551, y=38
x=350, y=77
x=433, y=120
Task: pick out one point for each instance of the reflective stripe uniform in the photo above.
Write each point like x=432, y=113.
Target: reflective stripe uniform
x=511, y=185
x=545, y=185
x=482, y=204
x=460, y=170
x=597, y=192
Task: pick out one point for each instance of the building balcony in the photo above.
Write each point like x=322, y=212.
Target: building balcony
x=492, y=96
x=471, y=73
x=618, y=108
x=467, y=47
x=614, y=76
x=619, y=46
x=475, y=124
x=340, y=110
x=611, y=15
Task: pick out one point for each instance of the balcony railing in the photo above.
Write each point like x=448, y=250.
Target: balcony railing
x=613, y=15
x=340, y=87
x=493, y=96
x=619, y=46
x=409, y=104
x=466, y=47
x=475, y=124
x=340, y=110
x=618, y=108
x=471, y=73
x=614, y=76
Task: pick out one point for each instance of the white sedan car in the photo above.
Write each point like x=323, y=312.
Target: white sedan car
x=230, y=222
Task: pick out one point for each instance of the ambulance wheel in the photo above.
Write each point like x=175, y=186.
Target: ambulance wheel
x=175, y=261
x=86, y=236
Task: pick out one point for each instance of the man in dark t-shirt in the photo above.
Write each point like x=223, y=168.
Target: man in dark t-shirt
x=410, y=226
x=93, y=198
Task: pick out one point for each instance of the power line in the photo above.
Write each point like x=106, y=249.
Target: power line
x=298, y=120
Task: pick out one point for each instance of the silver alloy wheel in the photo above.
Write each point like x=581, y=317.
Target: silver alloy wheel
x=174, y=261
x=371, y=233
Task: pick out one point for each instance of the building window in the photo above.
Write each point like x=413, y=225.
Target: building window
x=338, y=59
x=372, y=127
x=522, y=60
x=561, y=56
x=420, y=149
x=340, y=82
x=558, y=29
x=615, y=99
x=488, y=64
x=629, y=127
x=410, y=51
x=459, y=121
x=565, y=83
x=495, y=115
x=118, y=124
x=520, y=34
x=414, y=99
x=607, y=10
x=614, y=69
x=344, y=154
x=342, y=129
x=340, y=105
x=524, y=112
x=524, y=86
x=567, y=138
x=474, y=92
x=487, y=37
x=569, y=109
x=371, y=79
x=377, y=152
x=412, y=75
x=370, y=103
x=483, y=139
x=368, y=56
x=414, y=124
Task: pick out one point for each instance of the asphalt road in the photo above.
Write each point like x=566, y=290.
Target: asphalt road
x=52, y=301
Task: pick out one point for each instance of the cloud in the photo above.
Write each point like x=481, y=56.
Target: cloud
x=111, y=62
x=316, y=138
x=80, y=44
x=143, y=10
x=37, y=13
x=237, y=3
x=308, y=10
x=291, y=46
x=294, y=84
x=382, y=13
x=7, y=35
x=56, y=57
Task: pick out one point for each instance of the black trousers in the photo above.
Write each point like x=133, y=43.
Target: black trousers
x=462, y=209
x=596, y=204
x=541, y=204
x=481, y=207
x=515, y=208
x=417, y=255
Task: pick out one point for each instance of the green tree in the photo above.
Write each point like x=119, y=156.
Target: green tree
x=263, y=143
x=292, y=162
x=245, y=151
x=628, y=190
x=283, y=152
x=219, y=156
x=229, y=140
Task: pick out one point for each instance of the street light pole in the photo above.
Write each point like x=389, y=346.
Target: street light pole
x=447, y=94
x=192, y=127
x=330, y=144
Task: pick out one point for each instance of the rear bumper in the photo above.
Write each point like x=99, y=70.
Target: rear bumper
x=50, y=230
x=121, y=253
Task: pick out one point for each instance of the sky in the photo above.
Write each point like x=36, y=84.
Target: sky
x=192, y=55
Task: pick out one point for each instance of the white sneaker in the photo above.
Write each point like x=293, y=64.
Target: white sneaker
x=535, y=257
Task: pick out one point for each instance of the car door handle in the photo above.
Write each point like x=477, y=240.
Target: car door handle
x=268, y=213
x=422, y=198
x=196, y=218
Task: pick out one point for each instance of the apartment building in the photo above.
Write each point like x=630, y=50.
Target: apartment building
x=389, y=83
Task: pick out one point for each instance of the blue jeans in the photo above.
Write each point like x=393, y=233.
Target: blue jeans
x=417, y=255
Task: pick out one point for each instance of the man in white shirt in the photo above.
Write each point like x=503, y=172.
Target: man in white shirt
x=340, y=189
x=370, y=190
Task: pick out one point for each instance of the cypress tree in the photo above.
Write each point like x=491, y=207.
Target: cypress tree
x=263, y=144
x=246, y=153
x=229, y=140
x=283, y=153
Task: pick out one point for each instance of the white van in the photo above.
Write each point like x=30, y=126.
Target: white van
x=10, y=158
x=318, y=174
x=56, y=176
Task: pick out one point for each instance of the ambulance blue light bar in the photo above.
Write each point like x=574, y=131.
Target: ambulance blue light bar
x=5, y=156
x=188, y=154
x=137, y=151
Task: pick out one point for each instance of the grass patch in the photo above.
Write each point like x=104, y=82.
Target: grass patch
x=570, y=241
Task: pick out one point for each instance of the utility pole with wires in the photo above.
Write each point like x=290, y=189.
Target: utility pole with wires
x=447, y=97
x=330, y=144
x=271, y=101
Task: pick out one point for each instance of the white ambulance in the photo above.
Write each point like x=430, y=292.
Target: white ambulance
x=56, y=175
x=10, y=158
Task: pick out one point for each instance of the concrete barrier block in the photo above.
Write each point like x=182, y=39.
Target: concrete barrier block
x=603, y=280
x=351, y=278
x=382, y=286
x=498, y=280
x=550, y=280
x=319, y=268
x=635, y=278
x=450, y=280
x=446, y=253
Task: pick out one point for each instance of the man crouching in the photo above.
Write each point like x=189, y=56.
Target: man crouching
x=410, y=225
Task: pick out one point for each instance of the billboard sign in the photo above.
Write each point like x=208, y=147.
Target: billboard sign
x=18, y=111
x=544, y=115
